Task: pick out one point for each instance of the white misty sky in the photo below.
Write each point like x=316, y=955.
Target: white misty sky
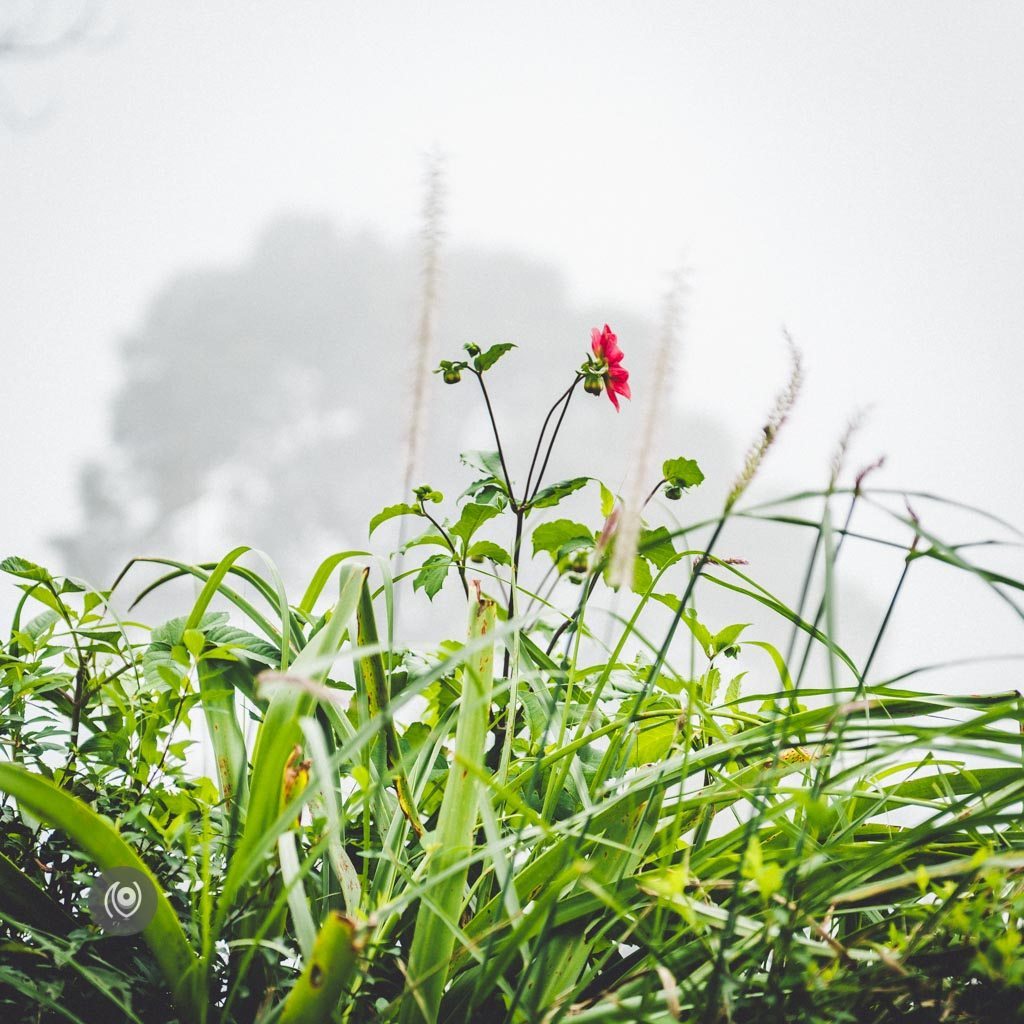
x=851, y=170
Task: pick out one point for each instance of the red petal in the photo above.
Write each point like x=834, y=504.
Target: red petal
x=612, y=352
x=595, y=342
x=613, y=398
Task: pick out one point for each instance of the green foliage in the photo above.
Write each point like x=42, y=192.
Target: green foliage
x=576, y=811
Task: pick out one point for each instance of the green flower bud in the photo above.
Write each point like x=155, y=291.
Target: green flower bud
x=673, y=492
x=472, y=349
x=452, y=376
x=579, y=563
x=593, y=385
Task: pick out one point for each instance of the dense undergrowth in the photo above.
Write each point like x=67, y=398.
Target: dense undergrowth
x=539, y=818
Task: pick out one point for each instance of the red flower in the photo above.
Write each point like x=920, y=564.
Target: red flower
x=616, y=376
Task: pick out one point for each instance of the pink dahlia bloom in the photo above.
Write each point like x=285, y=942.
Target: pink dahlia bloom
x=616, y=377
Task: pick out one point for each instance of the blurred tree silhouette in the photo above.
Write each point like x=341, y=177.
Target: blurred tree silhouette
x=267, y=403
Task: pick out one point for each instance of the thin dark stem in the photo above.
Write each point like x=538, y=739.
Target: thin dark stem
x=502, y=723
x=654, y=491
x=554, y=435
x=540, y=440
x=444, y=536
x=516, y=550
x=575, y=617
x=497, y=437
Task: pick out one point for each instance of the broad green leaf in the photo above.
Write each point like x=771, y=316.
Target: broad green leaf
x=473, y=516
x=607, y=501
x=551, y=496
x=682, y=472
x=554, y=537
x=488, y=358
x=430, y=579
x=482, y=549
x=727, y=637
x=657, y=547
x=642, y=578
x=392, y=512
x=25, y=569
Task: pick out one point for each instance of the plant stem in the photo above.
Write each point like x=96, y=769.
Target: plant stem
x=565, y=399
x=497, y=437
x=540, y=440
x=654, y=491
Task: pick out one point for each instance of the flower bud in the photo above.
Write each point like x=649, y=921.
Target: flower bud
x=472, y=349
x=673, y=492
x=579, y=562
x=593, y=385
x=452, y=376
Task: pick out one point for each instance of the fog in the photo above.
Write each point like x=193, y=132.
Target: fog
x=209, y=247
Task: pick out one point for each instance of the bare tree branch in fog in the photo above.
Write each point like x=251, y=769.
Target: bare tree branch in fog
x=43, y=30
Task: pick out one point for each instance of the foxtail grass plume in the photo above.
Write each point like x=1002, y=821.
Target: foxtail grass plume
x=430, y=253
x=855, y=422
x=627, y=534
x=784, y=402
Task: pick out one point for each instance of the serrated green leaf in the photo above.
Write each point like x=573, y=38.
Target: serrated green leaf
x=487, y=359
x=392, y=512
x=430, y=579
x=682, y=472
x=473, y=516
x=551, y=496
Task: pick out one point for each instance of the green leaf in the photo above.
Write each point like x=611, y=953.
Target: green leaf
x=433, y=936
x=642, y=578
x=25, y=569
x=560, y=536
x=326, y=974
x=488, y=491
x=700, y=632
x=472, y=518
x=488, y=549
x=607, y=501
x=484, y=462
x=392, y=512
x=194, y=641
x=727, y=637
x=657, y=547
x=98, y=838
x=682, y=472
x=551, y=496
x=430, y=579
x=487, y=359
